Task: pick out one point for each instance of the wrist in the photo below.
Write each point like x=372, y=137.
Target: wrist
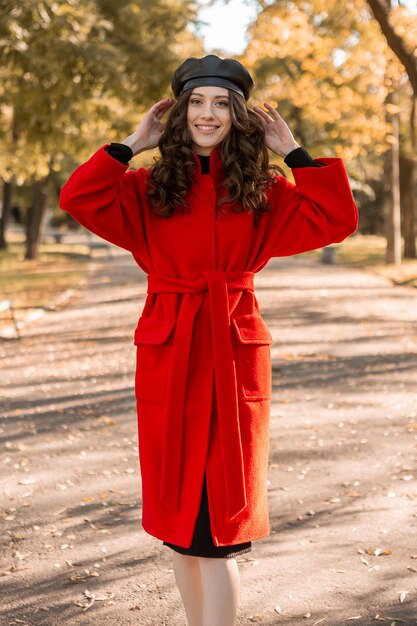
x=134, y=143
x=289, y=149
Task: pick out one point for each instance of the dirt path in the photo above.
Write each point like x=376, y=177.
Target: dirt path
x=342, y=473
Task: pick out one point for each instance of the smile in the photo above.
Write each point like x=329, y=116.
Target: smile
x=207, y=129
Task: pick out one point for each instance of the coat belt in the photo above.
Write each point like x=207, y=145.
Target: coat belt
x=218, y=284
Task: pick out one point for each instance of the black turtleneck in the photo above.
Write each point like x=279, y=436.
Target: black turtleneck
x=296, y=158
x=205, y=163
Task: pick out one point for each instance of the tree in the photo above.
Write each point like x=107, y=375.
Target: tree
x=399, y=43
x=400, y=37
x=325, y=64
x=392, y=179
x=314, y=58
x=74, y=75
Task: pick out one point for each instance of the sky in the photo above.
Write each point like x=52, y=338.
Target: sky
x=226, y=25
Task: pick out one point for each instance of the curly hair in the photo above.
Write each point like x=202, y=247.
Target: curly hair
x=244, y=157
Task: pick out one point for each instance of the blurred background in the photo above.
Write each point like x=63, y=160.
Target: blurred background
x=78, y=74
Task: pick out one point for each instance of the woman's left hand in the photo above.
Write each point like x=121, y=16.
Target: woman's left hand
x=278, y=136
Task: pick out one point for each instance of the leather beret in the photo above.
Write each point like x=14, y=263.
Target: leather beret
x=211, y=70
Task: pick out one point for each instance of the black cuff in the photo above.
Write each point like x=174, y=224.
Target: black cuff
x=120, y=151
x=299, y=157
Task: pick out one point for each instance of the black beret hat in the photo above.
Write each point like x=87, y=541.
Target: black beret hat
x=212, y=71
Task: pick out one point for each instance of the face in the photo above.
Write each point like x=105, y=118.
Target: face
x=208, y=117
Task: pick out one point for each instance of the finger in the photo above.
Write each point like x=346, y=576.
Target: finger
x=263, y=115
x=273, y=111
x=161, y=105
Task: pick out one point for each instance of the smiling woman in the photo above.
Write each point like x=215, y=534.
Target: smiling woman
x=201, y=221
x=208, y=118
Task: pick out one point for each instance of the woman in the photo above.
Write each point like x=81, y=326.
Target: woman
x=200, y=222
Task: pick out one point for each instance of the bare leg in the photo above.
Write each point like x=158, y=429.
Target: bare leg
x=221, y=582
x=188, y=577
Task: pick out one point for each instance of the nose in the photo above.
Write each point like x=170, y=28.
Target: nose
x=207, y=111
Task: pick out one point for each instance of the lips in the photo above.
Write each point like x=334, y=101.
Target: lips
x=206, y=128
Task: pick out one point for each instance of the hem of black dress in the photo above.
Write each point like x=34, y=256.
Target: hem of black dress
x=217, y=553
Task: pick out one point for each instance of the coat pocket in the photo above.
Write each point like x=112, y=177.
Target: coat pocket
x=253, y=357
x=153, y=339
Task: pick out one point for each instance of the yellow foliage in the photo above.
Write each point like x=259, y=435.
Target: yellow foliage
x=328, y=66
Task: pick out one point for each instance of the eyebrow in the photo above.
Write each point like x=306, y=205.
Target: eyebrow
x=196, y=93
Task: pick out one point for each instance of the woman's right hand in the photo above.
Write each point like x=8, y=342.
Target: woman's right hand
x=147, y=134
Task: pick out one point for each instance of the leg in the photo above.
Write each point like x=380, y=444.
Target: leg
x=221, y=581
x=188, y=578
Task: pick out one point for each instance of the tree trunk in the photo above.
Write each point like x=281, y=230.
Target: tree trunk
x=381, y=10
x=392, y=182
x=407, y=178
x=5, y=214
x=408, y=190
x=35, y=216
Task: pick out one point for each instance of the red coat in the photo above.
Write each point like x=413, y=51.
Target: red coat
x=203, y=370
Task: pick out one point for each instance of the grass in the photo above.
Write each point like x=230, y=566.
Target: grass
x=368, y=252
x=35, y=283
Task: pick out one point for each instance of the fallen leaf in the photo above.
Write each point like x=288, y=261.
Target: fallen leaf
x=80, y=577
x=107, y=420
x=15, y=447
x=402, y=595
x=378, y=551
x=19, y=556
x=18, y=537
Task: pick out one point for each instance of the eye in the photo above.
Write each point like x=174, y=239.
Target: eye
x=195, y=100
x=223, y=103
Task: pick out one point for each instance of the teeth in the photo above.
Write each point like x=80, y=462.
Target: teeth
x=207, y=127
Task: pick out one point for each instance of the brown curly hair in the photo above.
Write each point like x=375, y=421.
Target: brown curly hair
x=244, y=158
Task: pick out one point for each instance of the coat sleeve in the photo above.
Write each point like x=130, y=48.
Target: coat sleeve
x=315, y=212
x=105, y=198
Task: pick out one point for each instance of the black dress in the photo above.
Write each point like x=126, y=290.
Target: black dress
x=202, y=544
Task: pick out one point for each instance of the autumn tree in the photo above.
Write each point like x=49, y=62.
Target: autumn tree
x=325, y=65
x=400, y=31
x=307, y=57
x=74, y=75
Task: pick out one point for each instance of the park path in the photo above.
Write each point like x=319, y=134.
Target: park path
x=342, y=458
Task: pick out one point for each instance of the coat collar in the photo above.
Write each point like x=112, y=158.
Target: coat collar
x=216, y=166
